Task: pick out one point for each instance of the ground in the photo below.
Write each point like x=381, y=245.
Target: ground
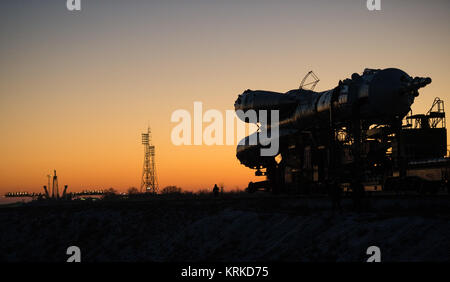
x=239, y=228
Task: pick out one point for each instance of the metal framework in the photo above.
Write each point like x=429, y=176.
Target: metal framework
x=311, y=84
x=149, y=182
x=434, y=118
x=55, y=185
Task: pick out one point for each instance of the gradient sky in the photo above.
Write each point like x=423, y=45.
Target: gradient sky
x=78, y=88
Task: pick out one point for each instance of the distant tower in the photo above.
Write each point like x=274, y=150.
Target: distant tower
x=149, y=180
x=54, y=188
x=55, y=185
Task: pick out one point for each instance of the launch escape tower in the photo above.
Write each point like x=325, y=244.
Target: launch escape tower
x=149, y=182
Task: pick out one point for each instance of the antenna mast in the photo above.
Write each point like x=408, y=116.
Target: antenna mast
x=149, y=182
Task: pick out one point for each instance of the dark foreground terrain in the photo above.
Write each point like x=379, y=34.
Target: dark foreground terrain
x=238, y=228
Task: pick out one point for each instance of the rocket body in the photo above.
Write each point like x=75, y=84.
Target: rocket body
x=375, y=97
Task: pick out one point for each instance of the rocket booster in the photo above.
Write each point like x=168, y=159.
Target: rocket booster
x=376, y=96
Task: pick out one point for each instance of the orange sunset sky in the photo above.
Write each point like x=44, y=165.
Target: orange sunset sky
x=78, y=88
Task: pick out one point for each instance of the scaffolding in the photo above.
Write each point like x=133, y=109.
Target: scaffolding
x=149, y=183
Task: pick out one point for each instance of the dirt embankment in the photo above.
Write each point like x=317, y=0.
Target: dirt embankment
x=231, y=230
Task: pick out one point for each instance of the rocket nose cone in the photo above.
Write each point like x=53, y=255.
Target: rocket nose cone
x=387, y=95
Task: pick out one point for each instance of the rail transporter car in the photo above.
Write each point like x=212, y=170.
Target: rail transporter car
x=363, y=131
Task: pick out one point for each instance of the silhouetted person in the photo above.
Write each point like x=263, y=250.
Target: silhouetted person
x=216, y=190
